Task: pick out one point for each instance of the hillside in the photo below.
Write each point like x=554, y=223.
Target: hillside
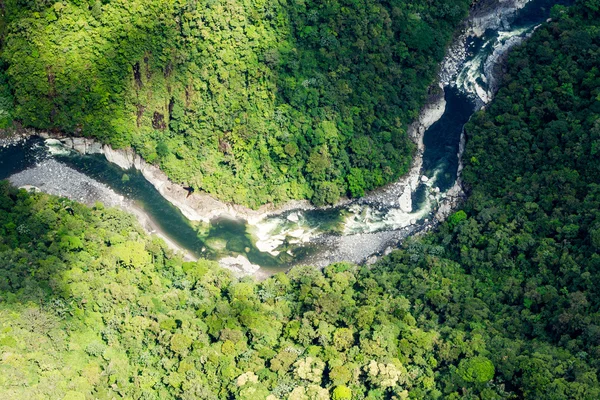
x=253, y=102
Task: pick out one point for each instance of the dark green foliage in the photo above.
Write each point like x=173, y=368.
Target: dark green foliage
x=279, y=99
x=6, y=102
x=519, y=268
x=534, y=172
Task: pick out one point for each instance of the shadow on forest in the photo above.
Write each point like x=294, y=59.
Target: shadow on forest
x=35, y=240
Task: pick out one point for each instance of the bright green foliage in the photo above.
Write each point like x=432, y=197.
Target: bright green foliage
x=456, y=218
x=476, y=369
x=277, y=99
x=180, y=344
x=342, y=393
x=113, y=314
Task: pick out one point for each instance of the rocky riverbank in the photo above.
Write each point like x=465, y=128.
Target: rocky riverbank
x=203, y=207
x=399, y=193
x=198, y=206
x=485, y=15
x=493, y=14
x=53, y=177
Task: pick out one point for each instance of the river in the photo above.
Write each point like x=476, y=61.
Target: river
x=356, y=231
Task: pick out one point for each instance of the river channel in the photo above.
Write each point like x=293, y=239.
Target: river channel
x=354, y=231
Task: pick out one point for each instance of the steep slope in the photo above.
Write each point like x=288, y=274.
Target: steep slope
x=253, y=102
x=519, y=266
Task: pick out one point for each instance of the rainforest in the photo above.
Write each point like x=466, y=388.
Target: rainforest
x=497, y=297
x=281, y=100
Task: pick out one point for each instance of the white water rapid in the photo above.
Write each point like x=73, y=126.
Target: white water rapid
x=371, y=224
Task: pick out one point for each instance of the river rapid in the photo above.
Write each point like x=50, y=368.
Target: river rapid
x=262, y=244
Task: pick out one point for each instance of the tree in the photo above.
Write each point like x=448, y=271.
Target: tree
x=476, y=369
x=180, y=344
x=326, y=193
x=342, y=393
x=356, y=183
x=310, y=369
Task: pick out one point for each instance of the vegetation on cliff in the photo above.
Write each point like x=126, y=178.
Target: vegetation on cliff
x=277, y=99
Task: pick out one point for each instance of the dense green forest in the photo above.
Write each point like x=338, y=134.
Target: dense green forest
x=277, y=99
x=501, y=302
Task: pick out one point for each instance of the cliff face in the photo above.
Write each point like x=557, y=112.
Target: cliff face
x=195, y=206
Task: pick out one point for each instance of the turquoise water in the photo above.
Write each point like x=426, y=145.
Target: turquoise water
x=220, y=238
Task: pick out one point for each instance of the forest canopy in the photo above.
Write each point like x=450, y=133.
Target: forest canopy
x=252, y=101
x=502, y=302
